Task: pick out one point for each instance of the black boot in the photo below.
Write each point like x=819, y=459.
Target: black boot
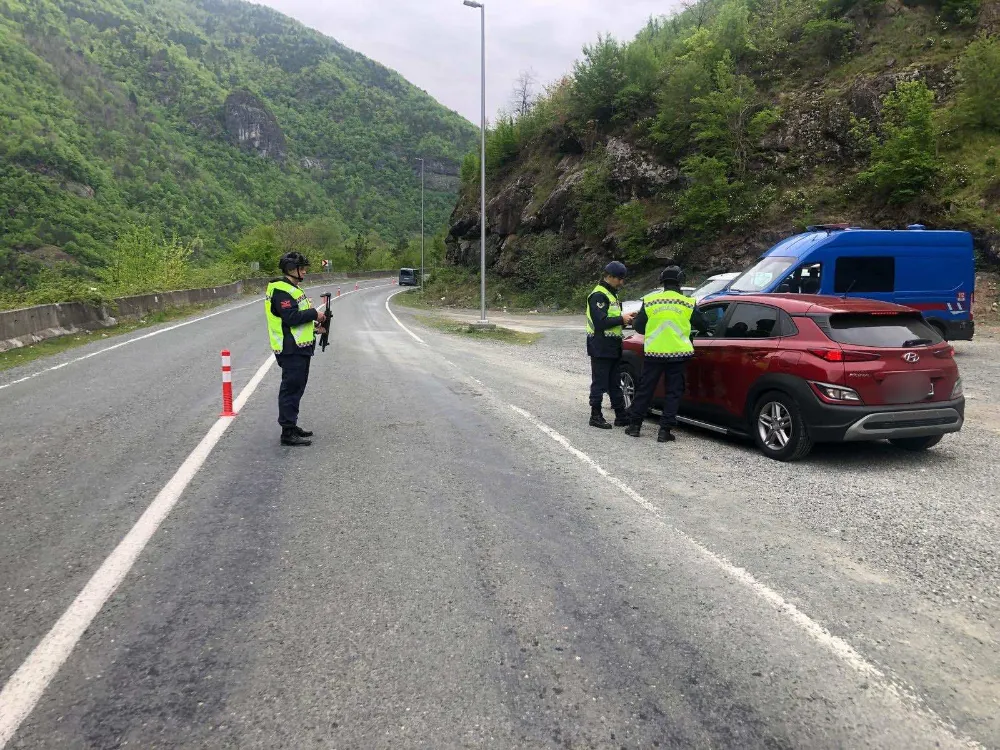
x=633, y=430
x=622, y=420
x=302, y=433
x=597, y=419
x=665, y=436
x=290, y=437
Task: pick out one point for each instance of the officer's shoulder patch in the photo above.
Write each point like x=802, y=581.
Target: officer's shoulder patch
x=601, y=305
x=286, y=304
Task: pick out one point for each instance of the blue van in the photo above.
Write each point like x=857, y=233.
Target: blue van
x=929, y=271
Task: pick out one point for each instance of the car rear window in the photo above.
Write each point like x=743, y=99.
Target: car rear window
x=894, y=331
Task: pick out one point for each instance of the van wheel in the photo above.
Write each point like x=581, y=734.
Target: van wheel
x=917, y=443
x=778, y=428
x=629, y=383
x=939, y=327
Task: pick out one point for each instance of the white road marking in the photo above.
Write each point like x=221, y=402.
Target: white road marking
x=415, y=336
x=838, y=646
x=157, y=332
x=26, y=686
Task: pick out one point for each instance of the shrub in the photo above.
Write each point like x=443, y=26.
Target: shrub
x=960, y=12
x=705, y=205
x=827, y=40
x=979, y=90
x=502, y=143
x=597, y=79
x=903, y=163
x=470, y=170
x=632, y=225
x=594, y=201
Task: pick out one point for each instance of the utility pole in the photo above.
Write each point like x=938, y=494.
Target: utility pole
x=421, y=224
x=483, y=322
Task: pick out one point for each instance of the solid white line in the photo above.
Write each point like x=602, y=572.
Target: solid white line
x=26, y=686
x=149, y=336
x=415, y=336
x=838, y=646
x=24, y=689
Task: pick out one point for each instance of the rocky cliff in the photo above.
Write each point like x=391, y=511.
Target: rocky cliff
x=575, y=195
x=252, y=126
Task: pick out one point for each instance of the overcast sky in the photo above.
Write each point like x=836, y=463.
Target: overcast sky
x=435, y=43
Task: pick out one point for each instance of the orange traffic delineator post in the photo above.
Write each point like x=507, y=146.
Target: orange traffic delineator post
x=338, y=291
x=227, y=385
x=356, y=287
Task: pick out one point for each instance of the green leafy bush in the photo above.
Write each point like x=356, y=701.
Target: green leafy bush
x=594, y=200
x=904, y=163
x=705, y=205
x=979, y=88
x=597, y=80
x=632, y=225
x=960, y=12
x=827, y=40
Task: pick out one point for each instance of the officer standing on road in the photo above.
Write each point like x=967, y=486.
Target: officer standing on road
x=291, y=326
x=604, y=345
x=665, y=319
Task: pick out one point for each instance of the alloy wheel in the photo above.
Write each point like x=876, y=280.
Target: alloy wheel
x=774, y=424
x=628, y=388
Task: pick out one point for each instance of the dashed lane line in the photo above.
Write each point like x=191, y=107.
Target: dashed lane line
x=836, y=645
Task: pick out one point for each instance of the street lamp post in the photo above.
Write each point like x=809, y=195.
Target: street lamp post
x=421, y=224
x=482, y=176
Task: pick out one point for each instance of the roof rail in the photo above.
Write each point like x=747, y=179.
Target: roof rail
x=829, y=227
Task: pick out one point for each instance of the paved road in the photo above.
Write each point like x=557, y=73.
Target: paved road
x=439, y=570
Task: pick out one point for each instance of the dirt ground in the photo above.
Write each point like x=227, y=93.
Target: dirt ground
x=987, y=307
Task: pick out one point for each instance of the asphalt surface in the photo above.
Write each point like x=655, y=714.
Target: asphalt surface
x=439, y=570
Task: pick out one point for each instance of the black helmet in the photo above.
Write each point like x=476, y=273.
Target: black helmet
x=291, y=261
x=616, y=269
x=672, y=275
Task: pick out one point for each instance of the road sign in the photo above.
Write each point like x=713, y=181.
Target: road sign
x=326, y=265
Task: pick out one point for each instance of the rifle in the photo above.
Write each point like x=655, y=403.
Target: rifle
x=324, y=338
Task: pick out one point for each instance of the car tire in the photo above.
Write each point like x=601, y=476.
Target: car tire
x=778, y=428
x=630, y=381
x=917, y=443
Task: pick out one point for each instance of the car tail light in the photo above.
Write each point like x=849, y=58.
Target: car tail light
x=958, y=390
x=836, y=393
x=947, y=353
x=839, y=355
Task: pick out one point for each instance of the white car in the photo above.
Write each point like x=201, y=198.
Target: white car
x=712, y=285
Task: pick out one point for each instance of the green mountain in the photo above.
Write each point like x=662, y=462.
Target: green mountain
x=732, y=124
x=203, y=120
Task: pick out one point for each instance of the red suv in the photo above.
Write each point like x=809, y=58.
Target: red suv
x=792, y=370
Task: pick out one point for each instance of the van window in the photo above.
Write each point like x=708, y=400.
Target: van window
x=884, y=331
x=752, y=322
x=806, y=279
x=866, y=274
x=763, y=274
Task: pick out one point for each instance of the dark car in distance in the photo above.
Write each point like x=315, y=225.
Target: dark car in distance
x=791, y=370
x=409, y=277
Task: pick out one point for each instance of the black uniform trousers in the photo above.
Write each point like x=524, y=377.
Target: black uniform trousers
x=654, y=368
x=606, y=377
x=294, y=377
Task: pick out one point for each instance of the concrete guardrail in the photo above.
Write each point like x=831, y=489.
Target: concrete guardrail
x=29, y=325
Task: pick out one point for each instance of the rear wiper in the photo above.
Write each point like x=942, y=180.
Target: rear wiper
x=917, y=342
